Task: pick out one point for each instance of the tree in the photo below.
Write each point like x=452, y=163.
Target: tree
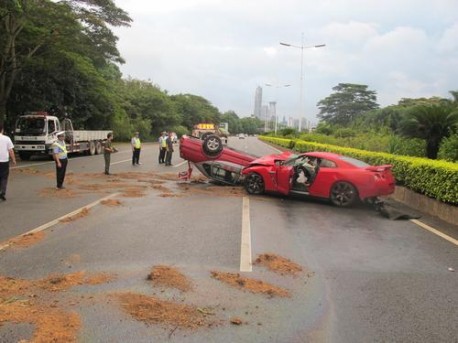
x=195, y=109
x=30, y=28
x=432, y=123
x=347, y=103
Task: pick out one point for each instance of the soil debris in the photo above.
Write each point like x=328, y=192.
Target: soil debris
x=26, y=240
x=55, y=283
x=236, y=321
x=251, y=285
x=278, y=264
x=31, y=301
x=111, y=202
x=152, y=310
x=83, y=213
x=169, y=277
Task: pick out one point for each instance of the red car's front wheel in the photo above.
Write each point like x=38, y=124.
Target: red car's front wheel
x=343, y=194
x=254, y=184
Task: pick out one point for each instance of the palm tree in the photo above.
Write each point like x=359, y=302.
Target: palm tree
x=432, y=123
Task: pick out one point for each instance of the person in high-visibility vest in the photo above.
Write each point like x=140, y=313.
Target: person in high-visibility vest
x=61, y=159
x=136, y=147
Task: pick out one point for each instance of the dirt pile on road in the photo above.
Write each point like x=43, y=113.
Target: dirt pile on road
x=25, y=240
x=169, y=277
x=251, y=285
x=32, y=301
x=278, y=264
x=153, y=310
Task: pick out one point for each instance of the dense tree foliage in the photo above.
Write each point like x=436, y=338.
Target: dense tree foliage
x=52, y=54
x=347, y=103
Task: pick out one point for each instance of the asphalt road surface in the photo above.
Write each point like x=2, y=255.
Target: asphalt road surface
x=364, y=278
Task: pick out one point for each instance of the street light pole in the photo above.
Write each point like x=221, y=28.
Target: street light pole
x=301, y=96
x=276, y=116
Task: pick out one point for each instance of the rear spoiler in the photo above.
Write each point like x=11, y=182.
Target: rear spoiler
x=379, y=169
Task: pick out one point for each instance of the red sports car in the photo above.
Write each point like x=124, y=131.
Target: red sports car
x=215, y=161
x=341, y=179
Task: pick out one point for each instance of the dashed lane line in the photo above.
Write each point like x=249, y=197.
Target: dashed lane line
x=433, y=230
x=55, y=221
x=245, y=249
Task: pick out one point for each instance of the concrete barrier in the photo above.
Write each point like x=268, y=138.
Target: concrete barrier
x=426, y=205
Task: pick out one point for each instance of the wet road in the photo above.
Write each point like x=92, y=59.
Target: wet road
x=365, y=278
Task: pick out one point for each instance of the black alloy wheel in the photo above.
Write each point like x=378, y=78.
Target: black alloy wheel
x=254, y=184
x=343, y=194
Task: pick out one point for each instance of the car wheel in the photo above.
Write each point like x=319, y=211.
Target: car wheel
x=212, y=145
x=343, y=194
x=205, y=135
x=254, y=184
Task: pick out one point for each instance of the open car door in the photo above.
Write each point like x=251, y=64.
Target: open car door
x=284, y=177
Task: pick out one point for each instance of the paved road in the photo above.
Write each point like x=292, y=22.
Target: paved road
x=365, y=278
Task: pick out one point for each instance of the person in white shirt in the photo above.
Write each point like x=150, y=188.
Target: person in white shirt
x=6, y=155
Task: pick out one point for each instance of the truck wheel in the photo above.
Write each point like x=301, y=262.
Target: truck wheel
x=98, y=147
x=212, y=145
x=25, y=156
x=91, y=148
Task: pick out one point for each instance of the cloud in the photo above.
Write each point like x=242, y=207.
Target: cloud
x=222, y=50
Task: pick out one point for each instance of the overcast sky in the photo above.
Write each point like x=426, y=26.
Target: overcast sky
x=223, y=49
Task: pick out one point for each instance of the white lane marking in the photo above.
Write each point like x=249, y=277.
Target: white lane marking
x=245, y=248
x=55, y=221
x=433, y=230
x=179, y=164
x=123, y=161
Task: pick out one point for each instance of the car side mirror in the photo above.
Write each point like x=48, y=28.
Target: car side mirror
x=278, y=163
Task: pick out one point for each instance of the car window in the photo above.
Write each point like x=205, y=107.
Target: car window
x=324, y=163
x=354, y=161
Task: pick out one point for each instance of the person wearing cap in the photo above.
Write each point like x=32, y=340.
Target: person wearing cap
x=61, y=158
x=162, y=147
x=136, y=147
x=6, y=155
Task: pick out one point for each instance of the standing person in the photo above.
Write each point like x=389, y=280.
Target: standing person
x=6, y=154
x=168, y=155
x=136, y=147
x=61, y=159
x=162, y=147
x=107, y=151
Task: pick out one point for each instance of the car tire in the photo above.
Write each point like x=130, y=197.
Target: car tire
x=205, y=135
x=254, y=184
x=343, y=194
x=212, y=145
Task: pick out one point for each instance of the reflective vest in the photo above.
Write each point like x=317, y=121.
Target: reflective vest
x=164, y=142
x=137, y=143
x=62, y=150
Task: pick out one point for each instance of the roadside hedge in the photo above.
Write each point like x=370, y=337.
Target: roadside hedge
x=437, y=179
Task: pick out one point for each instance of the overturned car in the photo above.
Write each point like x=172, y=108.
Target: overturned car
x=342, y=180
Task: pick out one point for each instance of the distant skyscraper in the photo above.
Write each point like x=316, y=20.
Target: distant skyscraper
x=258, y=103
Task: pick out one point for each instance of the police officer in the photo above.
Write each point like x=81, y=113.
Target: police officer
x=136, y=147
x=61, y=158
